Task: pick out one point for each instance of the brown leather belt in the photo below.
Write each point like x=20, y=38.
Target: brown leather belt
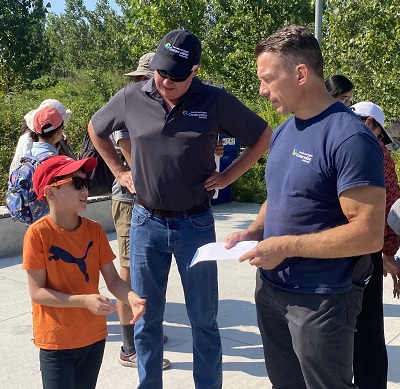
x=165, y=213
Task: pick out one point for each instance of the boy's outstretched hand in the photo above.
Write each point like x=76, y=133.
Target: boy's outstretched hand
x=138, y=306
x=98, y=304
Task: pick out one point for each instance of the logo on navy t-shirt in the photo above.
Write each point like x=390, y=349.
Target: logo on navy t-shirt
x=304, y=157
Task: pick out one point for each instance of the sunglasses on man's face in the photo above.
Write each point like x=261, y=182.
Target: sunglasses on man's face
x=78, y=182
x=165, y=74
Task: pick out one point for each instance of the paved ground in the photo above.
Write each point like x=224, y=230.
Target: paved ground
x=242, y=351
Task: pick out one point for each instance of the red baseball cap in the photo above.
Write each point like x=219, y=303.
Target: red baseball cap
x=57, y=166
x=46, y=120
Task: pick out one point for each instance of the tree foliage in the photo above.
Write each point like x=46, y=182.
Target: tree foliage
x=23, y=45
x=235, y=27
x=69, y=36
x=107, y=31
x=361, y=39
x=83, y=39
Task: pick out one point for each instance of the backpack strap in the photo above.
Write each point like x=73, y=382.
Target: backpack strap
x=43, y=156
x=35, y=160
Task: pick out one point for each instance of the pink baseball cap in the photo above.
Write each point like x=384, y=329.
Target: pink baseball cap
x=46, y=120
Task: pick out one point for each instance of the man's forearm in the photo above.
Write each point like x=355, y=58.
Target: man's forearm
x=364, y=208
x=256, y=228
x=341, y=241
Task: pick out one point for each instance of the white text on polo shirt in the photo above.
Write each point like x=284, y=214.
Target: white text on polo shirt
x=197, y=114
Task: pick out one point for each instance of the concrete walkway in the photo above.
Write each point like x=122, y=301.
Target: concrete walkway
x=243, y=364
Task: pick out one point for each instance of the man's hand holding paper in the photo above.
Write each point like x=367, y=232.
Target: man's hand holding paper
x=217, y=251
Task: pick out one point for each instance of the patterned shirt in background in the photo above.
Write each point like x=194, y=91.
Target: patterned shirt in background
x=391, y=240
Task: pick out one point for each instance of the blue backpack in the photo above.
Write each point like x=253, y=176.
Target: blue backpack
x=21, y=199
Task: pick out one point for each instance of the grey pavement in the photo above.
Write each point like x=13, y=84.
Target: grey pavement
x=243, y=365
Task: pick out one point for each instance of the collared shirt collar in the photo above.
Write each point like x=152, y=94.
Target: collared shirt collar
x=150, y=87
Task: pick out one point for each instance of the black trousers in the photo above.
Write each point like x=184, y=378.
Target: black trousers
x=71, y=369
x=307, y=338
x=370, y=361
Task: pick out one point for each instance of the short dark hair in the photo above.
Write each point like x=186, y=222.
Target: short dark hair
x=49, y=134
x=298, y=45
x=338, y=84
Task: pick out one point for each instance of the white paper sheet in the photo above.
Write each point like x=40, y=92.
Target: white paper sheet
x=217, y=251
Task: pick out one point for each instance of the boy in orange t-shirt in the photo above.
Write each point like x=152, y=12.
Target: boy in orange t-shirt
x=64, y=254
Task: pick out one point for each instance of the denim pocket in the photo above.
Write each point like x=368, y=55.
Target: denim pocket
x=203, y=221
x=139, y=216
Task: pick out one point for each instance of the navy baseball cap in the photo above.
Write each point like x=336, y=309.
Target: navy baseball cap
x=177, y=53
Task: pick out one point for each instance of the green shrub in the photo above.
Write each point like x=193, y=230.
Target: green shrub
x=250, y=187
x=82, y=92
x=44, y=82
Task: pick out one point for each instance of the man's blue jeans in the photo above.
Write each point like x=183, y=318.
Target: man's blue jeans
x=153, y=241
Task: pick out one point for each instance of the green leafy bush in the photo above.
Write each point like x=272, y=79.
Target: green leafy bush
x=250, y=187
x=44, y=82
x=83, y=93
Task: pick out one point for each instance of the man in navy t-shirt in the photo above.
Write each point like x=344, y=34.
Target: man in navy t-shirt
x=325, y=209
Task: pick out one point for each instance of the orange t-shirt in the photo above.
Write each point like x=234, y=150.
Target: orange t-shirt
x=72, y=260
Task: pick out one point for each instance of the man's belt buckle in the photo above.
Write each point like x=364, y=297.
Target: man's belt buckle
x=166, y=213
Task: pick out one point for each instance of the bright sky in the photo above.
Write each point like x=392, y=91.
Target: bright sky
x=57, y=6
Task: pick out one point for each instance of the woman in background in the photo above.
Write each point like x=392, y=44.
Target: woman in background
x=340, y=88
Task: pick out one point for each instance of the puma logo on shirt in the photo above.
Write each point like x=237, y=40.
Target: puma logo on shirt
x=59, y=253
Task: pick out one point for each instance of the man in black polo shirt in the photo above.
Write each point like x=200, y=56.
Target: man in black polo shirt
x=173, y=121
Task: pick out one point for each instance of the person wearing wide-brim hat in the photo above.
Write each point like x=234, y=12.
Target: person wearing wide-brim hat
x=143, y=72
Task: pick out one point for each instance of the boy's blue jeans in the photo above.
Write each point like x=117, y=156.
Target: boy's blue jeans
x=153, y=241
